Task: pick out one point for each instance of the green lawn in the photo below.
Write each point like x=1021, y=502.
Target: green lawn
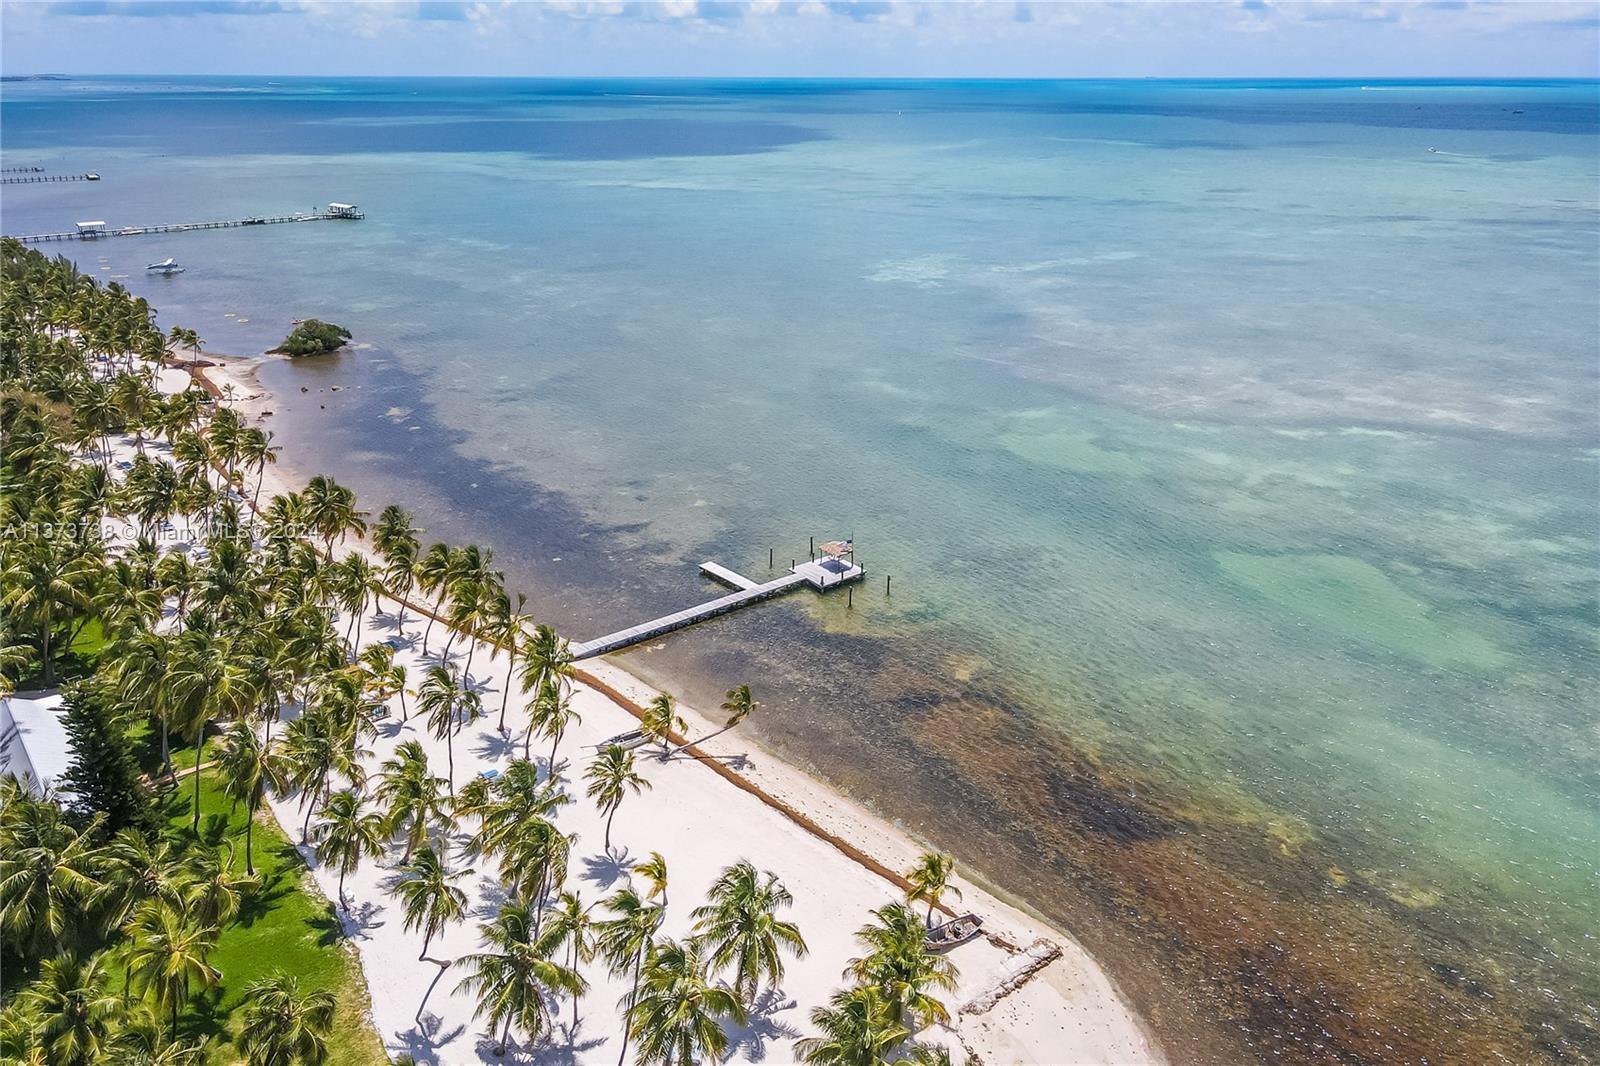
x=146, y=741
x=78, y=660
x=89, y=643
x=286, y=926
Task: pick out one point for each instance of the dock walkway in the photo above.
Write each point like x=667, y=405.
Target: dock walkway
x=183, y=227
x=687, y=617
x=49, y=177
x=821, y=574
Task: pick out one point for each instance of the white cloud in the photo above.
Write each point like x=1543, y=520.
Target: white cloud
x=798, y=37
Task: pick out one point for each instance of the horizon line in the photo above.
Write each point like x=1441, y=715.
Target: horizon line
x=1595, y=78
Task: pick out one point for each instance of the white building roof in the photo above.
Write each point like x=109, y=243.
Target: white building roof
x=95, y=222
x=341, y=207
x=33, y=742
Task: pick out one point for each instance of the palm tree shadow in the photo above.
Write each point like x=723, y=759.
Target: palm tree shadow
x=256, y=905
x=203, y=1017
x=607, y=869
x=213, y=828
x=493, y=746
x=437, y=658
x=550, y=1052
x=422, y=1041
x=762, y=1027
x=741, y=761
x=494, y=898
x=458, y=841
x=387, y=620
x=329, y=927
x=359, y=920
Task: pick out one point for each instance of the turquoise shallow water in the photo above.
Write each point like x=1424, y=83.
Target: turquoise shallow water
x=1232, y=446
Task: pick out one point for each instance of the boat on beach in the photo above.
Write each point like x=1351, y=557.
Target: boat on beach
x=166, y=266
x=956, y=931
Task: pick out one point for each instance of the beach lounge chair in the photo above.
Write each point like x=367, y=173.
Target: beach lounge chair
x=490, y=774
x=377, y=712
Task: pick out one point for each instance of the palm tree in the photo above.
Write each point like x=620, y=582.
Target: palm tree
x=412, y=797
x=610, y=777
x=427, y=898
x=71, y=1009
x=186, y=338
x=553, y=712
x=468, y=600
x=512, y=978
x=177, y=578
x=357, y=580
x=514, y=802
x=432, y=572
x=213, y=894
x=738, y=703
x=384, y=676
x=677, y=1014
x=623, y=941
x=330, y=509
x=140, y=1041
x=900, y=966
x=45, y=582
x=212, y=677
x=48, y=872
x=741, y=929
x=167, y=957
x=311, y=753
x=247, y=767
x=257, y=450
x=546, y=661
x=571, y=925
x=282, y=1026
x=395, y=539
x=345, y=836
x=654, y=870
x=140, y=676
x=504, y=626
x=445, y=702
x=857, y=1030
x=135, y=869
x=661, y=718
x=930, y=880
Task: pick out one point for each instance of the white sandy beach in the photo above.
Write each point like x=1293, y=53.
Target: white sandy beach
x=700, y=821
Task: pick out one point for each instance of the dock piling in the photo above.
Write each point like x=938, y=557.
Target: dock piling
x=886, y=578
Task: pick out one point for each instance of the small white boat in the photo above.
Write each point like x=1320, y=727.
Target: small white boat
x=166, y=266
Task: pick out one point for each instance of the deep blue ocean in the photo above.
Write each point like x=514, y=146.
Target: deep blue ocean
x=1232, y=445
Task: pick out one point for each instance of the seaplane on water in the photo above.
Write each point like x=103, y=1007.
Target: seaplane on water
x=166, y=266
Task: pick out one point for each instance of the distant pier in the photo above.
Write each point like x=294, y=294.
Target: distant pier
x=93, y=231
x=823, y=574
x=38, y=177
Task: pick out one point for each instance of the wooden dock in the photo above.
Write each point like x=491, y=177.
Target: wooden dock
x=820, y=575
x=31, y=179
x=186, y=227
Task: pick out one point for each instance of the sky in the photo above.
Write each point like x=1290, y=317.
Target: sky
x=812, y=38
